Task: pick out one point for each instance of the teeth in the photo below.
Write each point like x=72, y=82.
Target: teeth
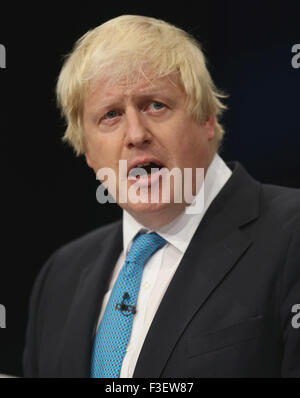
x=133, y=172
x=143, y=164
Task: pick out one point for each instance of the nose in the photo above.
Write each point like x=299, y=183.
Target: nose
x=137, y=132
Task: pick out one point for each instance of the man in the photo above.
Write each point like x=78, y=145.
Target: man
x=216, y=291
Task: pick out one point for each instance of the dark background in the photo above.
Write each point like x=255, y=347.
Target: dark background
x=48, y=195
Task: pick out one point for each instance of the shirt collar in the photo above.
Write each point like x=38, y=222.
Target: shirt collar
x=180, y=231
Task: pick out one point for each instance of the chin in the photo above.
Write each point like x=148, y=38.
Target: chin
x=146, y=208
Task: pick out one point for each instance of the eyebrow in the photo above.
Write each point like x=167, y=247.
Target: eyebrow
x=146, y=95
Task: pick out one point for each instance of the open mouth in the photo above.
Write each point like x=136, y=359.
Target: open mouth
x=149, y=167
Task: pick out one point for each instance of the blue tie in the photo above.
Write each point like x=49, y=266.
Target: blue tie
x=115, y=327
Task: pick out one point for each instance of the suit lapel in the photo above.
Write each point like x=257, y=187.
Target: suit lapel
x=77, y=339
x=214, y=250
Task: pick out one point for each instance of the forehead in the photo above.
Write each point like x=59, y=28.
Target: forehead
x=104, y=92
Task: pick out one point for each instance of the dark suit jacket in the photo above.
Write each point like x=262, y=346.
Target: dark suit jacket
x=226, y=313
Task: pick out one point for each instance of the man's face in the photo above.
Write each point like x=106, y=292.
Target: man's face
x=144, y=122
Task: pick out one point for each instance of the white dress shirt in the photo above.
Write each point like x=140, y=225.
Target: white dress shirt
x=160, y=268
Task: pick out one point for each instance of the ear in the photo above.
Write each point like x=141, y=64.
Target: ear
x=210, y=127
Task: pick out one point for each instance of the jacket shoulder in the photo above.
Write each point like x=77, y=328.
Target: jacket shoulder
x=90, y=241
x=64, y=266
x=282, y=202
x=67, y=262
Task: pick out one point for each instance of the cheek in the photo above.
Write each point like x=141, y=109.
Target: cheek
x=189, y=147
x=103, y=153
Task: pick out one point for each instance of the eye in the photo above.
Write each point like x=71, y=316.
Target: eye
x=156, y=105
x=110, y=115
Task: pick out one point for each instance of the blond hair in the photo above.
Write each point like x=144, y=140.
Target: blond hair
x=121, y=48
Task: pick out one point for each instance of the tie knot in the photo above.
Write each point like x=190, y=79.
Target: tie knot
x=144, y=246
